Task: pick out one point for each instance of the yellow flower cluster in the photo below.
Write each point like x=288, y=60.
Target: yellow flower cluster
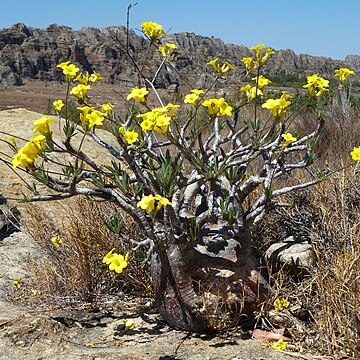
x=90, y=117
x=107, y=109
x=355, y=154
x=58, y=105
x=116, y=261
x=217, y=107
x=87, y=78
x=220, y=69
x=277, y=106
x=138, y=94
x=343, y=73
x=129, y=136
x=79, y=91
x=158, y=119
x=152, y=30
x=289, y=138
x=316, y=85
x=251, y=92
x=194, y=97
x=148, y=202
x=42, y=125
x=27, y=155
x=281, y=304
x=69, y=70
x=279, y=345
x=167, y=49
x=262, y=55
x=56, y=240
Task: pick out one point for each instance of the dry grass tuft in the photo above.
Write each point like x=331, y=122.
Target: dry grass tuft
x=330, y=214
x=74, y=271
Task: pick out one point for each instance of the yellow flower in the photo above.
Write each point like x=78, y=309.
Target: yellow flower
x=288, y=138
x=95, y=77
x=158, y=119
x=138, y=94
x=316, y=85
x=118, y=263
x=107, y=108
x=147, y=125
x=343, y=73
x=24, y=158
x=56, y=240
x=90, y=117
x=220, y=69
x=194, y=97
x=69, y=70
x=42, y=125
x=251, y=92
x=128, y=325
x=279, y=345
x=148, y=202
x=281, y=304
x=17, y=282
x=27, y=155
x=152, y=30
x=85, y=110
x=262, y=54
x=95, y=117
x=249, y=63
x=162, y=123
x=285, y=96
x=277, y=106
x=131, y=136
x=171, y=109
x=167, y=49
x=58, y=105
x=79, y=91
x=82, y=78
x=40, y=142
x=161, y=201
x=217, y=107
x=355, y=154
x=261, y=81
x=63, y=64
x=107, y=258
x=257, y=49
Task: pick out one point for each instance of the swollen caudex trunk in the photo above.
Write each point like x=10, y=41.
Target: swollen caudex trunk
x=207, y=287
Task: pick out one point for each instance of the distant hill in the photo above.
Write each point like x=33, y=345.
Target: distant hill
x=29, y=53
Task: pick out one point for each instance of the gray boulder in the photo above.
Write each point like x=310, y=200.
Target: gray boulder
x=294, y=254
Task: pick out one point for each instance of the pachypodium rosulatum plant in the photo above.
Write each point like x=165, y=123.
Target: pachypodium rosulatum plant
x=195, y=176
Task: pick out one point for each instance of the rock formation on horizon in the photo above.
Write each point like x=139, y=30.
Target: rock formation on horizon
x=30, y=53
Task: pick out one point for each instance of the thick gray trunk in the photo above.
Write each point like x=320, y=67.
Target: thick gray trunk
x=209, y=286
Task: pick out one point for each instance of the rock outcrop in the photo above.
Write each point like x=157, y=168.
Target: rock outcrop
x=29, y=53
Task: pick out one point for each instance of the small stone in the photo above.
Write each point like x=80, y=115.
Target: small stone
x=294, y=254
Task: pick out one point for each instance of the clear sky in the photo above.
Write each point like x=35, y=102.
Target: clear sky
x=317, y=27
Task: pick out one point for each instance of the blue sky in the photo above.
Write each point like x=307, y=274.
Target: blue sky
x=317, y=27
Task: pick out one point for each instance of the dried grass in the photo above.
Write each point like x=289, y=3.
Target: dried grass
x=330, y=214
x=74, y=272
